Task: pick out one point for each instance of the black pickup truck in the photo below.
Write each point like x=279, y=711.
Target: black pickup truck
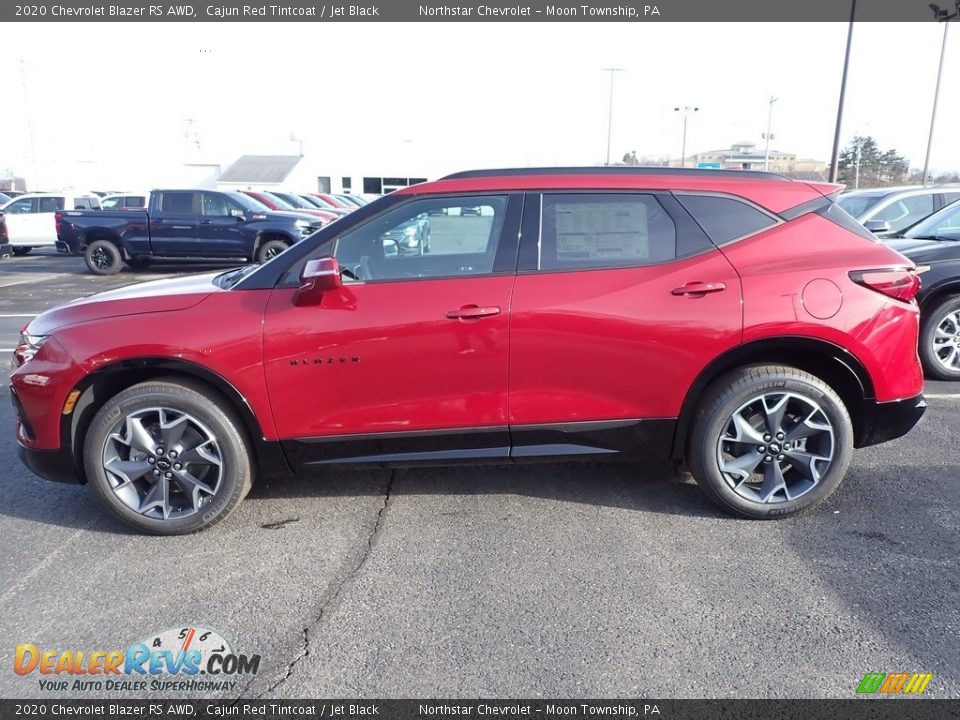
x=181, y=224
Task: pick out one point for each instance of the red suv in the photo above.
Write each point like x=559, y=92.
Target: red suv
x=740, y=322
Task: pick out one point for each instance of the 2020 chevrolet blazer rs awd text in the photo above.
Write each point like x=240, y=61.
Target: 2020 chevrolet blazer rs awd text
x=737, y=321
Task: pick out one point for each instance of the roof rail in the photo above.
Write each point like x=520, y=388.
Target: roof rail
x=615, y=170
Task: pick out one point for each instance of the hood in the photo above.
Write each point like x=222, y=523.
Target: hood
x=921, y=250
x=155, y=296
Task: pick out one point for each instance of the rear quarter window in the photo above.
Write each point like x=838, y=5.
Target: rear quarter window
x=725, y=219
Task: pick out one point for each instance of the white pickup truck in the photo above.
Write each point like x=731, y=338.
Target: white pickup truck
x=28, y=222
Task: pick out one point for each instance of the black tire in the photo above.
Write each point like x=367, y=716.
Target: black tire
x=270, y=249
x=207, y=415
x=932, y=320
x=738, y=393
x=103, y=258
x=21, y=251
x=141, y=262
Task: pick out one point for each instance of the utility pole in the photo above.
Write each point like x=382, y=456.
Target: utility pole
x=945, y=18
x=26, y=108
x=834, y=158
x=768, y=136
x=687, y=111
x=856, y=176
x=613, y=72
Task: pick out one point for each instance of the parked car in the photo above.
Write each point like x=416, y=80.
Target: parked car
x=334, y=201
x=123, y=201
x=277, y=204
x=4, y=198
x=739, y=321
x=317, y=203
x=181, y=224
x=935, y=243
x=349, y=200
x=299, y=203
x=886, y=212
x=29, y=220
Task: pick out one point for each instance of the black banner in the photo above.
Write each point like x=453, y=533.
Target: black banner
x=873, y=709
x=467, y=11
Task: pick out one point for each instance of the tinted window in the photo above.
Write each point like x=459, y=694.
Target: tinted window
x=49, y=204
x=604, y=231
x=177, y=203
x=426, y=238
x=857, y=205
x=135, y=201
x=725, y=219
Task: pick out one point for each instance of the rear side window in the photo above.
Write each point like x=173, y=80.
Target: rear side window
x=725, y=219
x=49, y=204
x=86, y=203
x=177, y=203
x=604, y=230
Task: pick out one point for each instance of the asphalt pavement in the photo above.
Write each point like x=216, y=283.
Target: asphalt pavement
x=554, y=580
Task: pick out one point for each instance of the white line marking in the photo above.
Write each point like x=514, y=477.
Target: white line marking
x=7, y=349
x=28, y=280
x=942, y=396
x=12, y=315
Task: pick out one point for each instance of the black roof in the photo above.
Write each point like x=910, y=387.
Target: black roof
x=614, y=170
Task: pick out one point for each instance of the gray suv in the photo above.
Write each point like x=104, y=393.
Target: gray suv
x=887, y=211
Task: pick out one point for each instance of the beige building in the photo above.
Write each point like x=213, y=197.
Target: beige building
x=747, y=156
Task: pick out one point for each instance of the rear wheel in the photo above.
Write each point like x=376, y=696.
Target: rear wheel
x=269, y=250
x=168, y=457
x=940, y=340
x=21, y=251
x=103, y=258
x=770, y=441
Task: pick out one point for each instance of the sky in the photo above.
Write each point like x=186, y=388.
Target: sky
x=430, y=98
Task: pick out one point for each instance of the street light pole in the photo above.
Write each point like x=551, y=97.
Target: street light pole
x=936, y=97
x=687, y=111
x=766, y=152
x=612, y=71
x=834, y=158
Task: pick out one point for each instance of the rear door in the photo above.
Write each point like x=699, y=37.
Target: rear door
x=173, y=224
x=620, y=301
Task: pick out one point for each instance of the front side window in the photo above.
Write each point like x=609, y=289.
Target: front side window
x=113, y=202
x=906, y=211
x=217, y=205
x=429, y=238
x=23, y=206
x=604, y=230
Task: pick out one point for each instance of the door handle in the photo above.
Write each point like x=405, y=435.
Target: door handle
x=181, y=227
x=472, y=312
x=699, y=289
x=206, y=222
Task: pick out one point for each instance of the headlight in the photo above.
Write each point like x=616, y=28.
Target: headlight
x=305, y=226
x=28, y=347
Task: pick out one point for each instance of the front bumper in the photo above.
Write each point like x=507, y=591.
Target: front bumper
x=889, y=420
x=55, y=465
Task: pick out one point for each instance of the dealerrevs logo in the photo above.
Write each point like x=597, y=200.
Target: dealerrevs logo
x=172, y=659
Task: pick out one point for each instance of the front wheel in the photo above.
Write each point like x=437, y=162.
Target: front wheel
x=103, y=258
x=940, y=340
x=168, y=457
x=770, y=441
x=269, y=250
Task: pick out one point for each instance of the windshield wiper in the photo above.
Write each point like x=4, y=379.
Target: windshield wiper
x=940, y=238
x=232, y=277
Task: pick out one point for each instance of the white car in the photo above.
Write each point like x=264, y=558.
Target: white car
x=29, y=219
x=125, y=201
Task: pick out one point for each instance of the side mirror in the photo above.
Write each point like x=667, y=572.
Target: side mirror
x=317, y=277
x=239, y=214
x=877, y=226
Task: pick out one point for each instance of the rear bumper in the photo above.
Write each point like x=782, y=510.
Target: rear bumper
x=889, y=420
x=55, y=465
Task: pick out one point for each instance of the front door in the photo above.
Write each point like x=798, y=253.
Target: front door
x=221, y=226
x=409, y=359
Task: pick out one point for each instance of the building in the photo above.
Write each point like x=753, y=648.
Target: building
x=746, y=156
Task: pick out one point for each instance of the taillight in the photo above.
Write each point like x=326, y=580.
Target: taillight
x=3, y=230
x=58, y=221
x=897, y=284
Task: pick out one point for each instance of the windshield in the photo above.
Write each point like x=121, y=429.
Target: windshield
x=857, y=205
x=292, y=200
x=944, y=223
x=257, y=205
x=311, y=201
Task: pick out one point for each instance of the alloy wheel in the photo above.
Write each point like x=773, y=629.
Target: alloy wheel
x=946, y=341
x=163, y=463
x=776, y=447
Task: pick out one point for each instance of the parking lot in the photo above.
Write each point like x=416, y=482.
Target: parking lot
x=553, y=580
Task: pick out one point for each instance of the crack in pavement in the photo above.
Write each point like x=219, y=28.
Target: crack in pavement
x=332, y=596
